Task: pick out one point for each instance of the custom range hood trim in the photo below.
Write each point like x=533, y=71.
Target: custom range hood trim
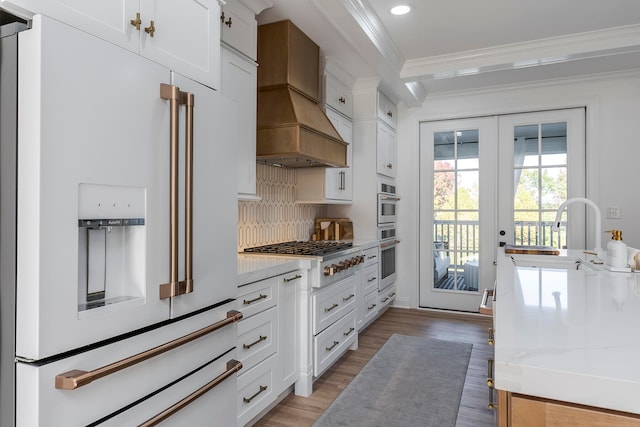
x=292, y=129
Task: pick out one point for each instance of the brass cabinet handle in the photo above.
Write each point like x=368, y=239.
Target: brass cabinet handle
x=222, y=17
x=372, y=256
x=136, y=22
x=385, y=299
x=371, y=306
x=372, y=279
x=296, y=277
x=490, y=382
x=346, y=334
x=491, y=340
x=389, y=166
x=77, y=378
x=341, y=100
x=345, y=299
x=326, y=310
x=251, y=301
x=228, y=22
x=176, y=287
x=249, y=399
x=331, y=347
x=233, y=366
x=151, y=29
x=390, y=113
x=259, y=340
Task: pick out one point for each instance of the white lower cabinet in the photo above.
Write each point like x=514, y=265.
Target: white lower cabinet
x=368, y=304
x=331, y=343
x=266, y=343
x=386, y=297
x=256, y=390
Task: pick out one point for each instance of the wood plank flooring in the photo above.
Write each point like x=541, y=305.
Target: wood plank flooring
x=296, y=411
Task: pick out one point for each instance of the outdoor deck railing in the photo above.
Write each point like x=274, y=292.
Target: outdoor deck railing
x=466, y=234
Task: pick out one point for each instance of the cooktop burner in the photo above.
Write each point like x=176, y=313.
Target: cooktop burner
x=313, y=248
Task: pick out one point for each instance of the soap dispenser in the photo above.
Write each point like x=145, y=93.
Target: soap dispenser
x=616, y=250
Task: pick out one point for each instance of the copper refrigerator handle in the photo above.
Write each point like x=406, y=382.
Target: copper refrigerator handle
x=233, y=366
x=176, y=287
x=77, y=378
x=187, y=99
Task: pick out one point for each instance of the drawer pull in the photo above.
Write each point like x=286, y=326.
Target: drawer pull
x=326, y=310
x=345, y=299
x=372, y=279
x=490, y=382
x=335, y=343
x=491, y=340
x=291, y=279
x=76, y=378
x=233, y=366
x=259, y=340
x=392, y=294
x=249, y=399
x=372, y=256
x=371, y=306
x=385, y=299
x=251, y=301
x=346, y=334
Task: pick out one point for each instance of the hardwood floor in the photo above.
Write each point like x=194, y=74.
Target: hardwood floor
x=296, y=411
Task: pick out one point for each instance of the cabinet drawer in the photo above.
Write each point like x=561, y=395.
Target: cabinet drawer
x=371, y=256
x=256, y=390
x=332, y=303
x=369, y=309
x=387, y=110
x=329, y=345
x=257, y=296
x=337, y=95
x=257, y=337
x=370, y=278
x=387, y=297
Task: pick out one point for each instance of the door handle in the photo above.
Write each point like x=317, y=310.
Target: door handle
x=76, y=378
x=233, y=366
x=175, y=97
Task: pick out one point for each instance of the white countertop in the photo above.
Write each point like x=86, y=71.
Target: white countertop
x=252, y=268
x=569, y=335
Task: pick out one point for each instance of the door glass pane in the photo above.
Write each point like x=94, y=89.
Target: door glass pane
x=540, y=182
x=456, y=210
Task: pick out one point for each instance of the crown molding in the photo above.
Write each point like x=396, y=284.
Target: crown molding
x=538, y=52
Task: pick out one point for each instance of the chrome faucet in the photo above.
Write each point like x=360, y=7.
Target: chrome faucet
x=599, y=252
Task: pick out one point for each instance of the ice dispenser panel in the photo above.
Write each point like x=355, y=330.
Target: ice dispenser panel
x=111, y=243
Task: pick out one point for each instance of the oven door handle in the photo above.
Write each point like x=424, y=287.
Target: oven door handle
x=392, y=198
x=385, y=245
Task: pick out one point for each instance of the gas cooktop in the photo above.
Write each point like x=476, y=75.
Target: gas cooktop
x=310, y=248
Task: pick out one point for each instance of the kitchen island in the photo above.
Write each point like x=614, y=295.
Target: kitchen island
x=566, y=335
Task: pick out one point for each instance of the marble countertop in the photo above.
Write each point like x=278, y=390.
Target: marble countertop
x=252, y=268
x=570, y=335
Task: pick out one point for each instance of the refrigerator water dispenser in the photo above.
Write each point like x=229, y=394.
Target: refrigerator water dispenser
x=111, y=245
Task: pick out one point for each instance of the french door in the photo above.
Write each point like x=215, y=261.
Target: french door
x=485, y=181
x=458, y=179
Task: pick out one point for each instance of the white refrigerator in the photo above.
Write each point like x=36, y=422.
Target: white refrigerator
x=121, y=270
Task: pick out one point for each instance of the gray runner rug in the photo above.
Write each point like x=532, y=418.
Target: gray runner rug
x=410, y=381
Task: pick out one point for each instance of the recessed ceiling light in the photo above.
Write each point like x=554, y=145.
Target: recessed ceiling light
x=401, y=9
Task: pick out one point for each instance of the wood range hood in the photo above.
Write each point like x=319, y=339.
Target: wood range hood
x=292, y=128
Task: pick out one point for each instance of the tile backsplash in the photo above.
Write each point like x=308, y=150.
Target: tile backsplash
x=275, y=218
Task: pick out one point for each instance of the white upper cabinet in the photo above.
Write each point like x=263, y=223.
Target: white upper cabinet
x=239, y=28
x=387, y=110
x=239, y=81
x=338, y=96
x=386, y=141
x=329, y=185
x=184, y=36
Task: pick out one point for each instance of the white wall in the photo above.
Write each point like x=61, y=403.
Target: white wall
x=613, y=150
